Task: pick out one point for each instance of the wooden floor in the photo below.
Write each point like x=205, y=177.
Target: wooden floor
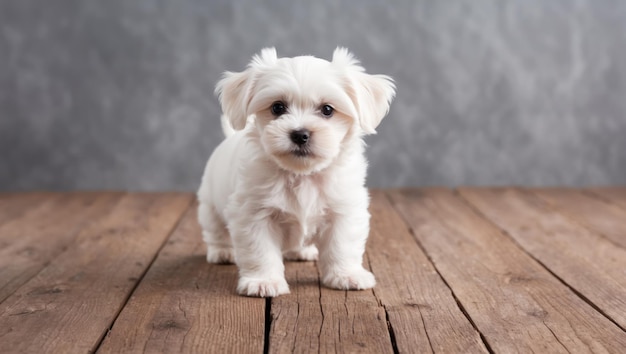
x=467, y=270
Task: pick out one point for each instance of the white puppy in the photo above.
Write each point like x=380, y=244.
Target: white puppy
x=292, y=177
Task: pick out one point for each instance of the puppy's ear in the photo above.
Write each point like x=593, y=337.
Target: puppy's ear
x=373, y=95
x=235, y=89
x=343, y=57
x=370, y=94
x=267, y=57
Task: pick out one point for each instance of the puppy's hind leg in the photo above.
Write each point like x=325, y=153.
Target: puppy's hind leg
x=296, y=246
x=303, y=253
x=215, y=235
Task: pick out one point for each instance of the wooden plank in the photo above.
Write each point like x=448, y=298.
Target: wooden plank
x=615, y=195
x=69, y=305
x=314, y=319
x=186, y=305
x=353, y=322
x=296, y=319
x=29, y=242
x=594, y=213
x=516, y=304
x=420, y=307
x=588, y=262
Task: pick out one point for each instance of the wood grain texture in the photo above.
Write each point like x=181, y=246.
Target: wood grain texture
x=186, y=305
x=70, y=304
x=28, y=243
x=614, y=195
x=420, y=307
x=588, y=262
x=600, y=216
x=499, y=270
x=296, y=319
x=353, y=322
x=514, y=302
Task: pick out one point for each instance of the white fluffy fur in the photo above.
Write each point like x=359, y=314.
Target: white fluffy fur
x=260, y=202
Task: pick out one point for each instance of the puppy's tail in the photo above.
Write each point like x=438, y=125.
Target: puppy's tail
x=227, y=128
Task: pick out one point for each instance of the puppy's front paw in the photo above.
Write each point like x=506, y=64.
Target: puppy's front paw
x=262, y=287
x=308, y=253
x=220, y=255
x=354, y=280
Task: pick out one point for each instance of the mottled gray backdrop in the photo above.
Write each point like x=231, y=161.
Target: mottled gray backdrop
x=118, y=94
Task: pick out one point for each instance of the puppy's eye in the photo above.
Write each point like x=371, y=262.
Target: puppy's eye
x=327, y=111
x=278, y=108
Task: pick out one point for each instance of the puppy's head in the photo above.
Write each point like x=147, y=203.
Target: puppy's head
x=305, y=108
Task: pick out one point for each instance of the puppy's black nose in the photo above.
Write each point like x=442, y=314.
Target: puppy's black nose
x=300, y=137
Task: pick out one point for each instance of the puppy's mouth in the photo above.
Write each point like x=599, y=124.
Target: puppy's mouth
x=302, y=152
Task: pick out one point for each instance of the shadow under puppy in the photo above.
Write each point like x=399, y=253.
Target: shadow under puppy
x=289, y=179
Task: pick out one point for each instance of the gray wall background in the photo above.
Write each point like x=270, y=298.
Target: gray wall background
x=118, y=94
